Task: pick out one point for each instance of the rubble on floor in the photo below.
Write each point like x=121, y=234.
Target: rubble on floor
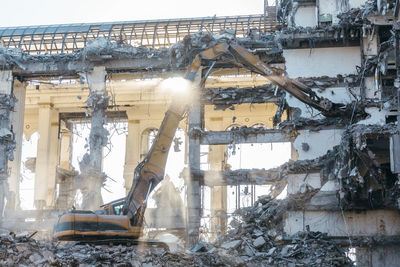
x=363, y=168
x=324, y=82
x=260, y=241
x=256, y=239
x=22, y=250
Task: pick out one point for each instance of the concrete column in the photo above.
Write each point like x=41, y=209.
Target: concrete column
x=218, y=193
x=53, y=158
x=132, y=150
x=17, y=121
x=193, y=187
x=92, y=178
x=65, y=149
x=43, y=186
x=7, y=141
x=65, y=175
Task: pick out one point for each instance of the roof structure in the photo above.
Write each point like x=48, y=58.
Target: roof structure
x=66, y=38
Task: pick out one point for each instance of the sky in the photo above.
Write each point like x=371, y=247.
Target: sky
x=44, y=12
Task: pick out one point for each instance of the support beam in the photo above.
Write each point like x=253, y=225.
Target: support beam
x=91, y=178
x=238, y=177
x=250, y=135
x=17, y=122
x=7, y=142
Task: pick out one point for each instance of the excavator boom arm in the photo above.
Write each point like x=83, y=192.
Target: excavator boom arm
x=151, y=170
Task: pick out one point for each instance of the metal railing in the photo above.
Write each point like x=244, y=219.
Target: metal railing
x=66, y=38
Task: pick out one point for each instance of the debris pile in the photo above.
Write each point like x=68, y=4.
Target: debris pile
x=184, y=52
x=259, y=239
x=363, y=168
x=256, y=239
x=23, y=250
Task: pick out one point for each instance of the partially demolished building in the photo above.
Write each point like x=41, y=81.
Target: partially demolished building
x=342, y=175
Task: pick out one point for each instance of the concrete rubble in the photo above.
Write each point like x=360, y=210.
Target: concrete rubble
x=354, y=173
x=255, y=239
x=223, y=98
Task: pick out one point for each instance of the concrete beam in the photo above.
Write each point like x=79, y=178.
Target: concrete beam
x=237, y=177
x=48, y=68
x=348, y=223
x=251, y=135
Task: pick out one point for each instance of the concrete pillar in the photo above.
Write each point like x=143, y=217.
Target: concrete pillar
x=46, y=158
x=65, y=175
x=53, y=158
x=132, y=149
x=65, y=149
x=92, y=178
x=193, y=187
x=218, y=193
x=7, y=141
x=17, y=122
x=66, y=194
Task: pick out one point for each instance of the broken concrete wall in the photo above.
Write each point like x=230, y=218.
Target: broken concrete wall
x=376, y=115
x=334, y=223
x=296, y=182
x=306, y=16
x=331, y=8
x=317, y=62
x=355, y=3
x=311, y=144
x=323, y=12
x=384, y=255
x=341, y=94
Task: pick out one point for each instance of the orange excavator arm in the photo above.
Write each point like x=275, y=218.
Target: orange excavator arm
x=151, y=170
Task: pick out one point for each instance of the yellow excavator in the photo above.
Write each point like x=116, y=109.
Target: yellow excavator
x=123, y=219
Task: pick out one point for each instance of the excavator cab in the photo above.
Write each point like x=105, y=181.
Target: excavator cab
x=114, y=207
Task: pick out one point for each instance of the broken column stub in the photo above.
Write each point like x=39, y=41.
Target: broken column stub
x=17, y=122
x=7, y=140
x=92, y=178
x=196, y=117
